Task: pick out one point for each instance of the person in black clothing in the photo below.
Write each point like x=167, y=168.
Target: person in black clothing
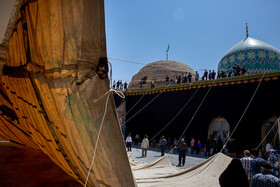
x=229, y=71
x=213, y=74
x=243, y=70
x=208, y=144
x=125, y=86
x=118, y=84
x=238, y=71
x=234, y=175
x=179, y=80
x=223, y=74
x=234, y=70
x=231, y=145
x=182, y=152
x=219, y=75
x=205, y=75
x=166, y=80
x=190, y=77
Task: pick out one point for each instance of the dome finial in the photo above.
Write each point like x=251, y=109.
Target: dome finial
x=247, y=35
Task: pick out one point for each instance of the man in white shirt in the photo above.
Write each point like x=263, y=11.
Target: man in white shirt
x=145, y=146
x=128, y=142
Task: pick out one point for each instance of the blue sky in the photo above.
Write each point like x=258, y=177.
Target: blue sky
x=199, y=32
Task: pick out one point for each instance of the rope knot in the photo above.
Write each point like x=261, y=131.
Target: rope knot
x=102, y=68
x=119, y=93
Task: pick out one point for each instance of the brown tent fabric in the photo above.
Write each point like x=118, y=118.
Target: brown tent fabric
x=162, y=173
x=54, y=72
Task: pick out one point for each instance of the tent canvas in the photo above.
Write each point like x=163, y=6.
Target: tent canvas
x=162, y=173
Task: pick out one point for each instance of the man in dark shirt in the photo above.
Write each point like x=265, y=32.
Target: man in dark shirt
x=243, y=70
x=256, y=162
x=238, y=71
x=234, y=70
x=213, y=74
x=166, y=80
x=265, y=178
x=182, y=152
x=125, y=86
x=205, y=75
x=162, y=143
x=190, y=77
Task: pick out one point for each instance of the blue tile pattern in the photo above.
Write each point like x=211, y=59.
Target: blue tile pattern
x=255, y=55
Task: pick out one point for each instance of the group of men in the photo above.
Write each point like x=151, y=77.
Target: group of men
x=258, y=172
x=232, y=71
x=184, y=78
x=119, y=85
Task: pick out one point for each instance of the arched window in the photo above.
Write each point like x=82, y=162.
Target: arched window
x=219, y=127
x=270, y=131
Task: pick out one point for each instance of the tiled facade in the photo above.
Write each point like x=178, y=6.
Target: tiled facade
x=256, y=58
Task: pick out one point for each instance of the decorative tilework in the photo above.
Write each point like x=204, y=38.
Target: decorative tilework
x=271, y=55
x=262, y=54
x=255, y=60
x=255, y=55
x=240, y=56
x=231, y=58
x=251, y=55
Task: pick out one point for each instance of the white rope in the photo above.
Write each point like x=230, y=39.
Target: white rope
x=96, y=143
x=194, y=114
x=133, y=106
x=242, y=114
x=103, y=118
x=111, y=81
x=175, y=115
x=111, y=90
x=146, y=105
x=141, y=63
x=268, y=132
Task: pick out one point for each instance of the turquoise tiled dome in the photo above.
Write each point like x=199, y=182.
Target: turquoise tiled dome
x=255, y=55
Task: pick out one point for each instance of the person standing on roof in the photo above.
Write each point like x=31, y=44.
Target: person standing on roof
x=196, y=76
x=166, y=83
x=230, y=71
x=190, y=77
x=114, y=84
x=125, y=86
x=205, y=75
x=162, y=143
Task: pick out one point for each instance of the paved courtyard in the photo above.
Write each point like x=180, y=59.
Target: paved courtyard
x=154, y=153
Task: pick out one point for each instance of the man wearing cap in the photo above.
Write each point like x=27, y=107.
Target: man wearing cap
x=265, y=178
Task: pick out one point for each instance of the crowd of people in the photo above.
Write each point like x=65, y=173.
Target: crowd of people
x=231, y=71
x=184, y=78
x=254, y=169
x=119, y=85
x=191, y=147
